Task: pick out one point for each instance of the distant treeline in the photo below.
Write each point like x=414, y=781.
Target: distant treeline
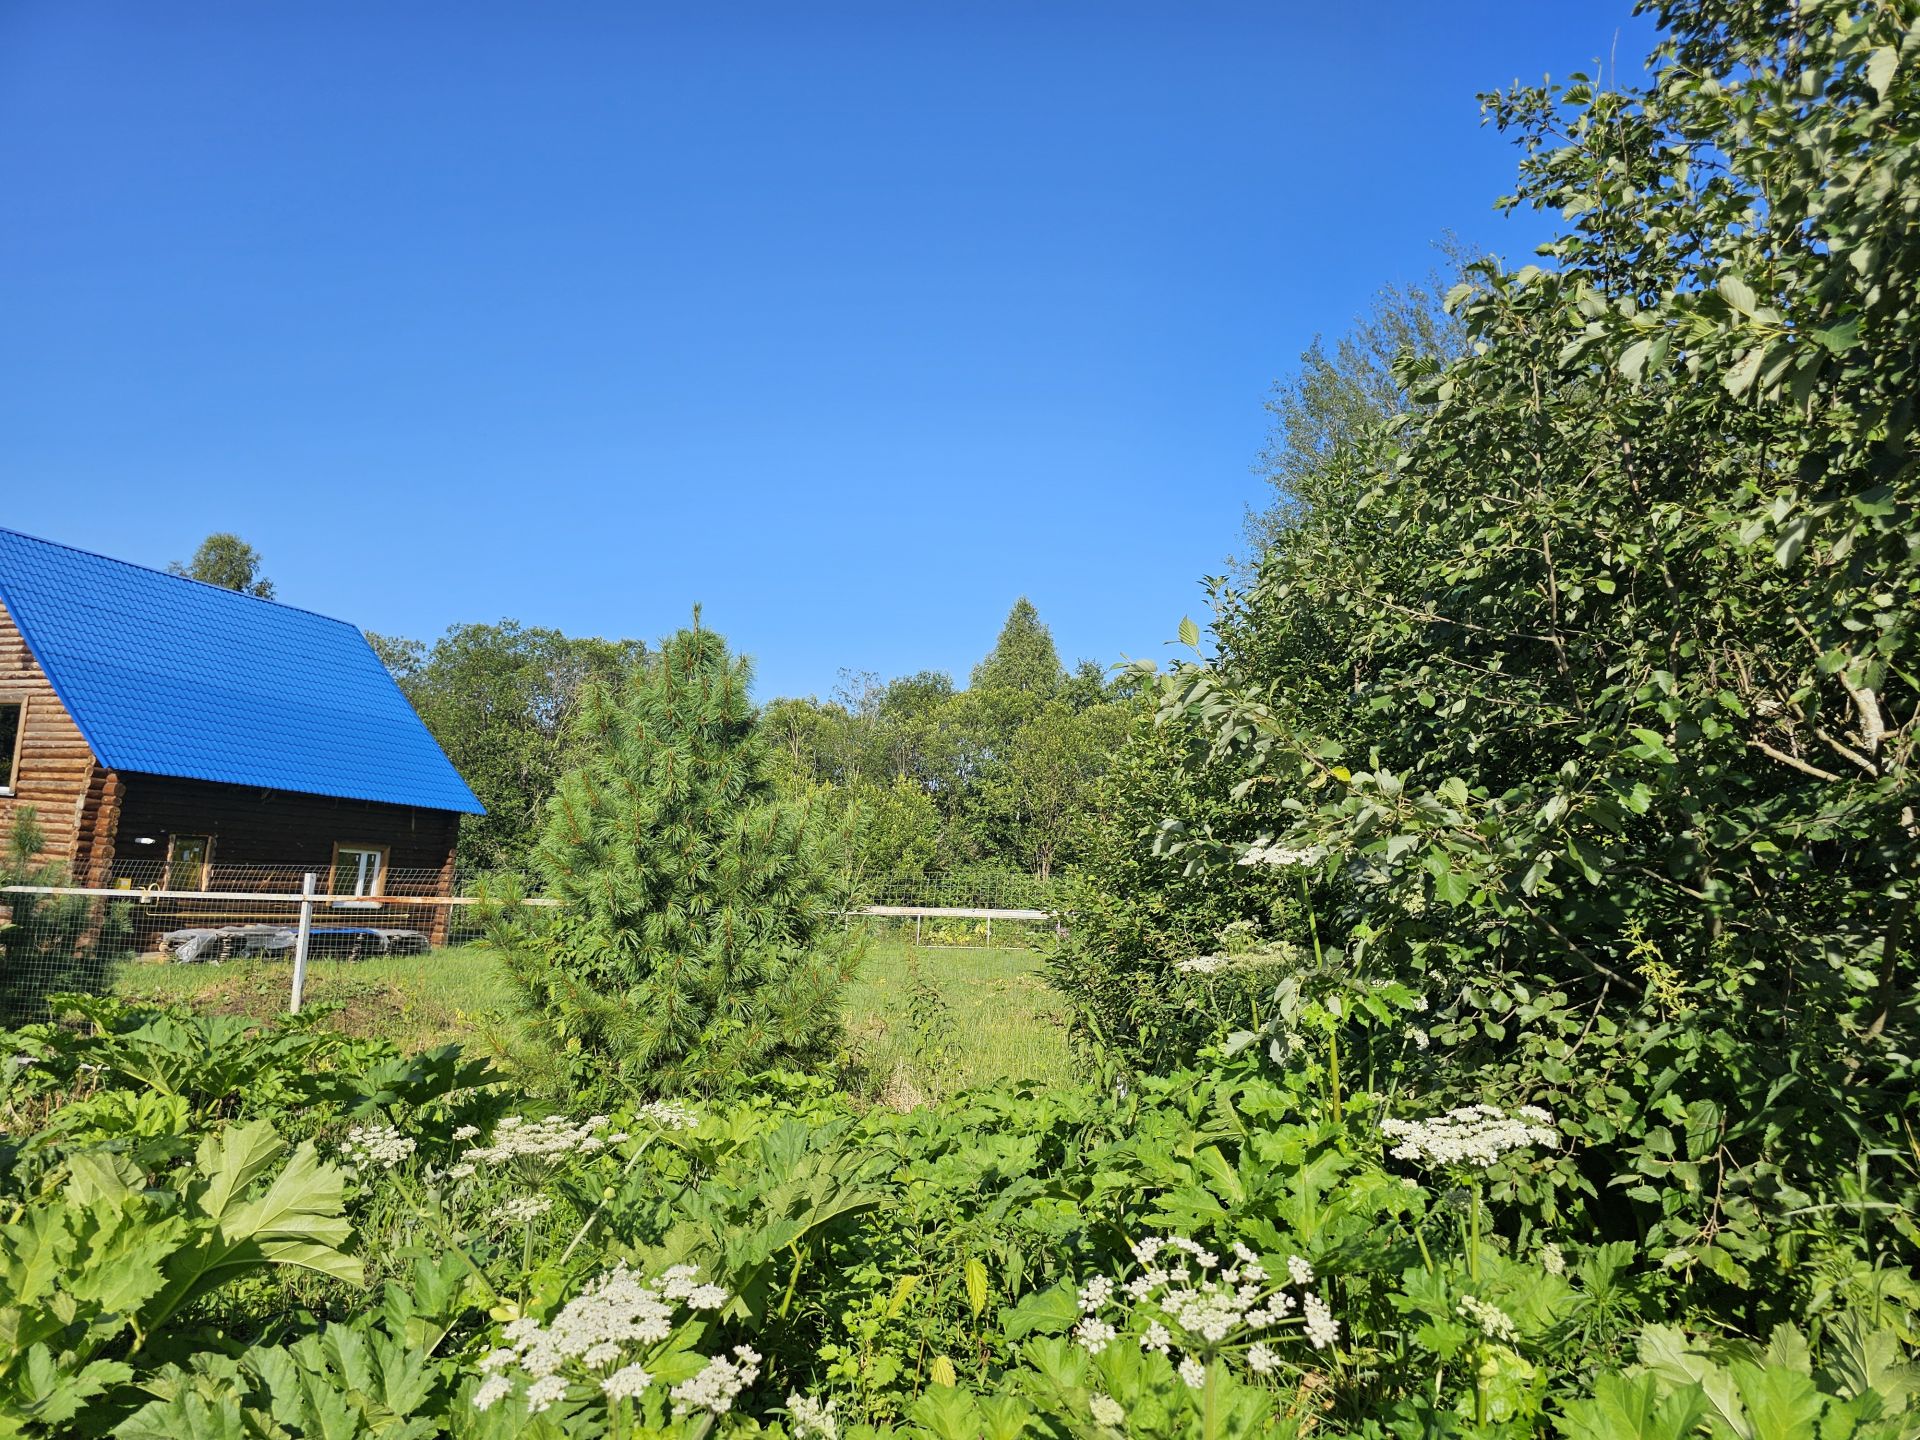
x=978, y=785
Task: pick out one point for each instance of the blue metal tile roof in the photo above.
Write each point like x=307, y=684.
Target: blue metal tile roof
x=167, y=676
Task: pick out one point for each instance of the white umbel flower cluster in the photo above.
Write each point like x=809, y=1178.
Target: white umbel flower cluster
x=718, y=1383
x=1203, y=965
x=811, y=1418
x=593, y=1338
x=670, y=1115
x=1186, y=1303
x=518, y=1209
x=1273, y=853
x=375, y=1147
x=1322, y=1329
x=1490, y=1320
x=546, y=1141
x=1475, y=1135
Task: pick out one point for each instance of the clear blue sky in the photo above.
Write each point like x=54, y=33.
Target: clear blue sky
x=852, y=322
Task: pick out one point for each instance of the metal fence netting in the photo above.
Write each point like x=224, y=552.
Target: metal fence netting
x=56, y=939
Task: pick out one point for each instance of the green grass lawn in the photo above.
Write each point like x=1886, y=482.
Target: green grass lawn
x=968, y=1017
x=920, y=1023
x=416, y=1001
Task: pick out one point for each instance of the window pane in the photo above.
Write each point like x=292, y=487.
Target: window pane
x=356, y=871
x=9, y=740
x=187, y=865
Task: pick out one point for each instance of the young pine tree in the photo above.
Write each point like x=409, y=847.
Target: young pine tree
x=699, y=937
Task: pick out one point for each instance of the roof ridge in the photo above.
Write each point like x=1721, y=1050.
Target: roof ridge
x=169, y=575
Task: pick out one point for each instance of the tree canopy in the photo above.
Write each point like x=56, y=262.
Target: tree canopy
x=987, y=786
x=224, y=559
x=501, y=700
x=1023, y=658
x=1590, y=707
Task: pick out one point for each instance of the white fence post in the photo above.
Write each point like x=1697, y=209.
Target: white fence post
x=304, y=934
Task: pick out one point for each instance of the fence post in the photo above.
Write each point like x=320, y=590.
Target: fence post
x=301, y=937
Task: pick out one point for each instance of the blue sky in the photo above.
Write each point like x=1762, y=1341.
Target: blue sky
x=851, y=322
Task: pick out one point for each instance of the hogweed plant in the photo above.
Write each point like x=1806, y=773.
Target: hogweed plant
x=623, y=1347
x=1198, y=1310
x=1465, y=1143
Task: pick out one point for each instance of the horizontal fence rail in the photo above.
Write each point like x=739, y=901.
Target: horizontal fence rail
x=84, y=938
x=319, y=897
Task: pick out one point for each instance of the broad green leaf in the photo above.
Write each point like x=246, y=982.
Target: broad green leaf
x=297, y=1220
x=1643, y=1407
x=1791, y=541
x=1781, y=1403
x=1739, y=379
x=232, y=1160
x=1045, y=1312
x=976, y=1280
x=187, y=1415
x=1738, y=294
x=1881, y=65
x=1665, y=1352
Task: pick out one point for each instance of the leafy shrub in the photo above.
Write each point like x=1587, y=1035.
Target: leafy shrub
x=1583, y=694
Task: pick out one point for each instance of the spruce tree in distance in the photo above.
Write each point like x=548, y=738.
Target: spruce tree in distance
x=1023, y=658
x=699, y=937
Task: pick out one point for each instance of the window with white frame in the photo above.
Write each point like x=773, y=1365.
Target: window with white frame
x=359, y=869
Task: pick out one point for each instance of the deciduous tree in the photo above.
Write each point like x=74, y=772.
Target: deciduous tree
x=224, y=559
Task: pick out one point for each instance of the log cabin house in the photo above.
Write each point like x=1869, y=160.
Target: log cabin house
x=171, y=735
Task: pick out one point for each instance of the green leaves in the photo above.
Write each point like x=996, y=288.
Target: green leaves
x=296, y=1220
x=976, y=1283
x=1751, y=1393
x=1640, y=1407
x=1881, y=65
x=111, y=1256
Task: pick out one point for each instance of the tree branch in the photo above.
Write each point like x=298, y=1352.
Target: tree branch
x=1795, y=762
x=1848, y=752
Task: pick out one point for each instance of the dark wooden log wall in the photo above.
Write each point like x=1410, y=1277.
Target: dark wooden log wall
x=292, y=832
x=284, y=834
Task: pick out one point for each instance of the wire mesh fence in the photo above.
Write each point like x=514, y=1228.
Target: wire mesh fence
x=930, y=929
x=967, y=890
x=56, y=939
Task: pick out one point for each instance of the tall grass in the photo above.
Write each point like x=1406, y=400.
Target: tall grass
x=921, y=1022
